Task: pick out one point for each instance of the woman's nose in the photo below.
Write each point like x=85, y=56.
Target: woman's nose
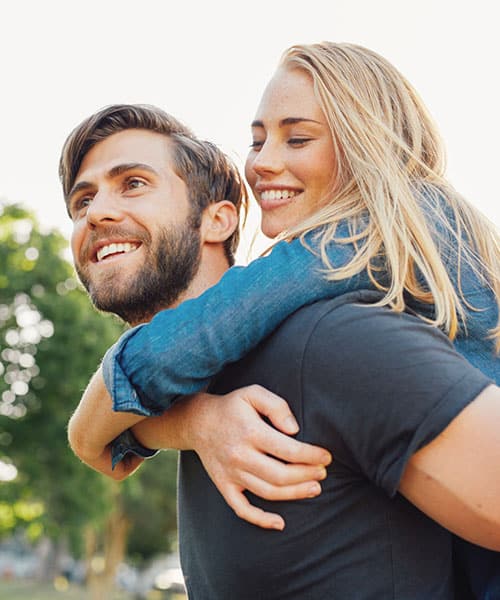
x=268, y=159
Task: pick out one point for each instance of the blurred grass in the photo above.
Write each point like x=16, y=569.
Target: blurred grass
x=30, y=590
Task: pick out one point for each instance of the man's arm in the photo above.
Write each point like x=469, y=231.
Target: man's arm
x=455, y=479
x=413, y=415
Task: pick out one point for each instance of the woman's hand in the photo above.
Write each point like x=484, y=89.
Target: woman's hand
x=240, y=450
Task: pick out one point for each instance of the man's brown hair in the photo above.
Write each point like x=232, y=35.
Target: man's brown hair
x=209, y=174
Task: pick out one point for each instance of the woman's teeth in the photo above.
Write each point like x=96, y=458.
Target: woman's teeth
x=270, y=195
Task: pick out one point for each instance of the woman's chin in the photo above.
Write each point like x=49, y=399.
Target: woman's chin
x=270, y=228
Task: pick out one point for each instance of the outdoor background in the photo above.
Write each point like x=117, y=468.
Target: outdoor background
x=207, y=63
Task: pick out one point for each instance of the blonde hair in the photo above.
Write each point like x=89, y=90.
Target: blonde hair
x=390, y=162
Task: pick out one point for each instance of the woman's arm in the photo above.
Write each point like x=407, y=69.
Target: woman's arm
x=239, y=450
x=94, y=425
x=178, y=352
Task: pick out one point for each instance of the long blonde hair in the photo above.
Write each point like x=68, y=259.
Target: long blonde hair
x=390, y=158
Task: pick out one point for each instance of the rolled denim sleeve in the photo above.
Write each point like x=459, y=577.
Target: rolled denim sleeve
x=126, y=443
x=181, y=349
x=123, y=394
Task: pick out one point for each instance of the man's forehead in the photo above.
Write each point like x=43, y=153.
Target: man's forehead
x=131, y=146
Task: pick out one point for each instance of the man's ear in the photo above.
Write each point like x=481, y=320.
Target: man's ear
x=219, y=222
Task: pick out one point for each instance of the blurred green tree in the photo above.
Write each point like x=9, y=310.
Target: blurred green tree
x=51, y=340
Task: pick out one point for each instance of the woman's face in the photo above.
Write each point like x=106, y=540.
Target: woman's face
x=291, y=163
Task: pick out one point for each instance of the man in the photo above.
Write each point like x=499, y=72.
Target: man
x=134, y=228
x=142, y=190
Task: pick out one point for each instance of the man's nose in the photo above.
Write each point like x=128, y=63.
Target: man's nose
x=104, y=207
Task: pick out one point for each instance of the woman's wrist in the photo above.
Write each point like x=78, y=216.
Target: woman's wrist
x=177, y=428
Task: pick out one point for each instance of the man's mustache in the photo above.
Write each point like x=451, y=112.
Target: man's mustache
x=113, y=232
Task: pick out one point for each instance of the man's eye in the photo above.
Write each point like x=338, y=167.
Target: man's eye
x=133, y=183
x=256, y=145
x=79, y=205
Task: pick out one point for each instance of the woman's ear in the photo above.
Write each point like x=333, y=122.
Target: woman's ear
x=219, y=222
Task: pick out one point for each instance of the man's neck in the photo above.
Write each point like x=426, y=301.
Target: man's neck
x=213, y=265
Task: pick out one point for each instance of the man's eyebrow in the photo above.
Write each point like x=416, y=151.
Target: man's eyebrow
x=114, y=172
x=123, y=168
x=287, y=121
x=81, y=185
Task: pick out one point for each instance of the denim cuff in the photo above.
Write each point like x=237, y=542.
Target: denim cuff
x=126, y=443
x=124, y=396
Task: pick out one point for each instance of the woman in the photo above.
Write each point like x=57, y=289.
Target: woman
x=356, y=169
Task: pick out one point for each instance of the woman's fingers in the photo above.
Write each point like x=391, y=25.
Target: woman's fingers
x=276, y=409
x=290, y=450
x=269, y=491
x=237, y=500
x=241, y=451
x=273, y=407
x=275, y=472
x=243, y=508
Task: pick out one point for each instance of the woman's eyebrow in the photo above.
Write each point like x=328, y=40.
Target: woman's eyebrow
x=287, y=121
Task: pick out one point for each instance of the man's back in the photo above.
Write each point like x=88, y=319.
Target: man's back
x=353, y=541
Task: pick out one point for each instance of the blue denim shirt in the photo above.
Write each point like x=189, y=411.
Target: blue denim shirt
x=181, y=349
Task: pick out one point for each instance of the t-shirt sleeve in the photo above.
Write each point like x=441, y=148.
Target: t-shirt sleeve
x=389, y=384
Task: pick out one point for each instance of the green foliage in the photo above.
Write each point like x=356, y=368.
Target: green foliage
x=150, y=503
x=51, y=340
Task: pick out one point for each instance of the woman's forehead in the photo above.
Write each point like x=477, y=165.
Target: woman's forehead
x=289, y=95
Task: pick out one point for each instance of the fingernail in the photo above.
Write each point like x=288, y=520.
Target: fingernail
x=279, y=525
x=291, y=423
x=314, y=490
x=321, y=473
x=326, y=459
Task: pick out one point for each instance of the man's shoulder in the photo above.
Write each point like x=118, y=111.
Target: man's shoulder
x=280, y=356
x=355, y=314
x=354, y=327
x=335, y=308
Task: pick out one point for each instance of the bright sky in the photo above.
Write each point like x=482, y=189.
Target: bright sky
x=208, y=62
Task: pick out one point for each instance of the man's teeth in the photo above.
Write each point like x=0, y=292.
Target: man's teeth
x=115, y=249
x=278, y=194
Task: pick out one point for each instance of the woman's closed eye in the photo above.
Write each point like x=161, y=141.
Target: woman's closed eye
x=298, y=141
x=257, y=144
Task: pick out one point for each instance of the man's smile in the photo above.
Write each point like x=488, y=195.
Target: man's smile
x=115, y=248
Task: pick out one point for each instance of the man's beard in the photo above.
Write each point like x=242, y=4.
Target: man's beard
x=168, y=269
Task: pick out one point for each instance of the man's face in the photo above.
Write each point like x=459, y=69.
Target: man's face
x=134, y=247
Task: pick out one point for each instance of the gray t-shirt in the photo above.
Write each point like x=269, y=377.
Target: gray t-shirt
x=373, y=386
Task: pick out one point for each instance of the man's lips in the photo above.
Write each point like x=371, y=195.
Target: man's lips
x=115, y=248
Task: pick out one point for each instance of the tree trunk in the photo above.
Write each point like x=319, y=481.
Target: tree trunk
x=101, y=570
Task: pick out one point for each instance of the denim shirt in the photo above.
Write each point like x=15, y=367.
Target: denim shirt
x=180, y=350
